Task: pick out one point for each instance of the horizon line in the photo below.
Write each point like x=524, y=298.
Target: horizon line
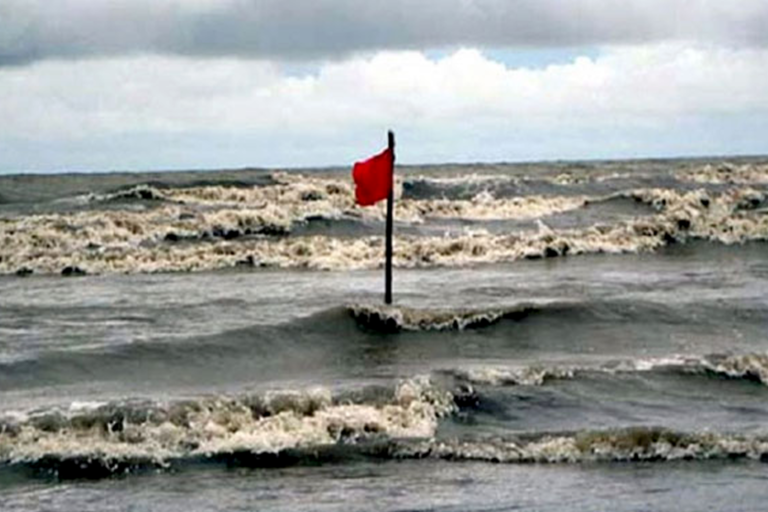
x=299, y=168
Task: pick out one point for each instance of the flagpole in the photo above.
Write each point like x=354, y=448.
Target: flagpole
x=390, y=207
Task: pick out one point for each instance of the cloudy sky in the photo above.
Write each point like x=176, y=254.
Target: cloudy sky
x=95, y=85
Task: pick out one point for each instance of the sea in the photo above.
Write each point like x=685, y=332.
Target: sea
x=565, y=336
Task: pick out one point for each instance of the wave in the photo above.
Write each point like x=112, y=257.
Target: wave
x=141, y=192
x=335, y=330
x=752, y=367
x=460, y=186
x=239, y=352
x=534, y=375
x=748, y=367
x=391, y=421
x=382, y=318
x=215, y=356
x=281, y=187
x=627, y=445
x=282, y=428
x=97, y=240
x=635, y=444
x=146, y=433
x=484, y=206
x=397, y=318
x=249, y=227
x=332, y=196
x=727, y=173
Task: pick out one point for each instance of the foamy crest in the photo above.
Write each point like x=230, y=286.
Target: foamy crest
x=491, y=180
x=463, y=179
x=219, y=425
x=538, y=375
x=397, y=318
x=522, y=376
x=752, y=367
x=727, y=173
x=138, y=192
x=748, y=366
x=654, y=363
x=239, y=211
x=483, y=206
x=727, y=218
x=620, y=445
x=576, y=178
x=183, y=237
x=285, y=188
x=106, y=240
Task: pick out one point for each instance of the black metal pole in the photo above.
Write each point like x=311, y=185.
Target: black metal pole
x=390, y=207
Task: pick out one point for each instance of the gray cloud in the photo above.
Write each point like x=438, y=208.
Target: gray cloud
x=32, y=30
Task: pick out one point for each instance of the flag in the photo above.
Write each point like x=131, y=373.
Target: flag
x=373, y=178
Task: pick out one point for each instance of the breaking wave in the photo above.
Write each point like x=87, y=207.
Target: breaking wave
x=115, y=435
x=468, y=184
x=534, y=375
x=100, y=440
x=752, y=367
x=636, y=444
x=400, y=318
x=728, y=173
x=215, y=227
x=395, y=421
x=748, y=367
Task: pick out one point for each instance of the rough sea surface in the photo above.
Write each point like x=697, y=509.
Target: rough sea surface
x=565, y=336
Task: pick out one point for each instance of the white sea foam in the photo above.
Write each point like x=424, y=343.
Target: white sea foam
x=654, y=363
x=464, y=179
x=521, y=376
x=491, y=180
x=397, y=318
x=483, y=206
x=130, y=241
x=746, y=366
x=620, y=445
x=220, y=425
x=406, y=421
x=727, y=173
x=752, y=366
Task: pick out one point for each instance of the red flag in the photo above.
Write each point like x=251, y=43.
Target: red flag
x=373, y=178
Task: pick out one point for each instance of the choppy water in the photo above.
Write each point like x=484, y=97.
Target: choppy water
x=565, y=337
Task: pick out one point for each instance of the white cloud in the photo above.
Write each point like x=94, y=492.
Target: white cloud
x=160, y=94
x=464, y=100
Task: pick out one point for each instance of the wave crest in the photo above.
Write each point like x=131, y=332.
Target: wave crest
x=636, y=444
x=535, y=375
x=158, y=434
x=748, y=367
x=400, y=318
x=186, y=234
x=727, y=173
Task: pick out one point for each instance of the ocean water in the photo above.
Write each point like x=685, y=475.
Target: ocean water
x=565, y=336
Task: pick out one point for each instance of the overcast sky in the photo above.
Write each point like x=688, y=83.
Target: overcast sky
x=94, y=85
